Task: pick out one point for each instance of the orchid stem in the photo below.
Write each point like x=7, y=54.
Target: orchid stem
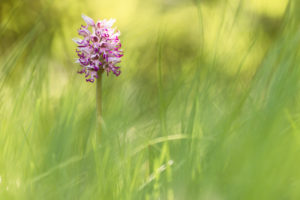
x=99, y=106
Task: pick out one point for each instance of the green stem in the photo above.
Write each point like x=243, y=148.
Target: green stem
x=99, y=106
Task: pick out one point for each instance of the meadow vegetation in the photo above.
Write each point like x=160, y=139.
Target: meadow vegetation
x=206, y=107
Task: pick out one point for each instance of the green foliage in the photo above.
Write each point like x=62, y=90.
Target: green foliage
x=207, y=106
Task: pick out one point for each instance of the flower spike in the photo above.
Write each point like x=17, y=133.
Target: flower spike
x=100, y=48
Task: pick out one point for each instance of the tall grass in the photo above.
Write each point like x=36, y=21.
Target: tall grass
x=206, y=110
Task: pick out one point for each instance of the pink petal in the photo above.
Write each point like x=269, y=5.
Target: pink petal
x=89, y=21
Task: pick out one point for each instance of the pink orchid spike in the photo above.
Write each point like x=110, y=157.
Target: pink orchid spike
x=100, y=48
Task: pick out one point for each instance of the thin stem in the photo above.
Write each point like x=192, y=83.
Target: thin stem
x=99, y=106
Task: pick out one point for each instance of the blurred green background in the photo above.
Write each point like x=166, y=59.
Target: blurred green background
x=207, y=105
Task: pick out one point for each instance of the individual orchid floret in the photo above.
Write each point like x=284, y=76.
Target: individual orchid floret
x=89, y=21
x=100, y=48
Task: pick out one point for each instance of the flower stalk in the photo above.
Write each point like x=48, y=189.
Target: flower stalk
x=99, y=105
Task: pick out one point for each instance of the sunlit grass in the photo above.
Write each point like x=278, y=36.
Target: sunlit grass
x=206, y=107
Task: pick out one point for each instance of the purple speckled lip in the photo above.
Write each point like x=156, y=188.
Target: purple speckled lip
x=99, y=49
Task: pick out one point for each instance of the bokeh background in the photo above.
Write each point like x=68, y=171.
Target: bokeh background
x=207, y=105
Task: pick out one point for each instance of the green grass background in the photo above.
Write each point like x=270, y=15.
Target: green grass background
x=206, y=107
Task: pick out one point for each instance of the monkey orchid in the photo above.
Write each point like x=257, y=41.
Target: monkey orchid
x=99, y=51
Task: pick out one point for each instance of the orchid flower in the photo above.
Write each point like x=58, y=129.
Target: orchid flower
x=99, y=50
